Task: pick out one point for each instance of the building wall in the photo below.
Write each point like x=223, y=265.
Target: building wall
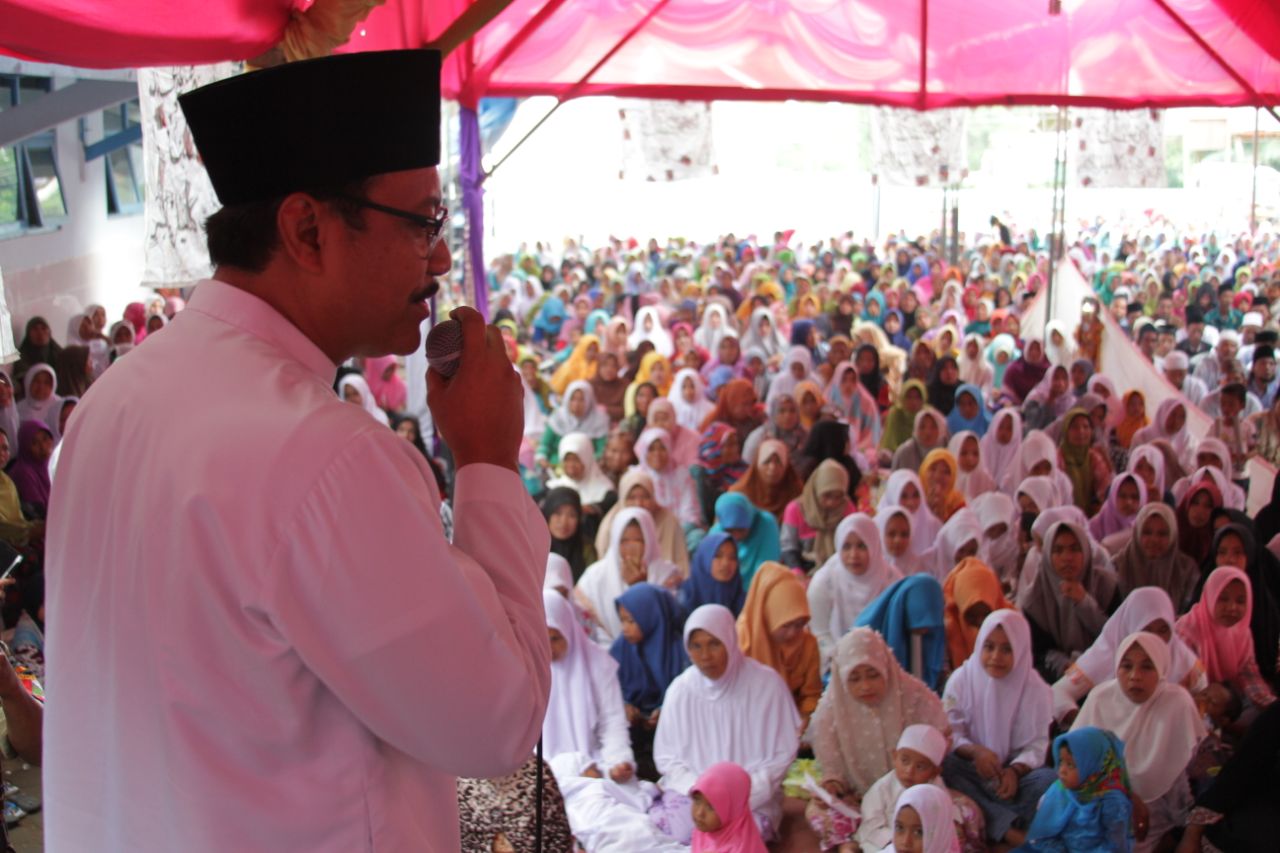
x=90, y=257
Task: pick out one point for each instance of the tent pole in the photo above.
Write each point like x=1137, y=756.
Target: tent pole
x=1057, y=229
x=954, y=255
x=1253, y=203
x=944, y=217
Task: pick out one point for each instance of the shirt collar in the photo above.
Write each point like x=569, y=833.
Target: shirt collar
x=251, y=314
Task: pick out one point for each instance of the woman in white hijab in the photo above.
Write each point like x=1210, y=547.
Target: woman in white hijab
x=1212, y=460
x=591, y=484
x=1160, y=726
x=960, y=538
x=904, y=489
x=1038, y=457
x=688, y=395
x=673, y=487
x=847, y=582
x=585, y=713
x=1169, y=424
x=1148, y=609
x=726, y=707
x=974, y=369
x=354, y=389
x=35, y=407
x=81, y=331
x=931, y=807
x=1000, y=710
x=714, y=327
x=999, y=519
x=636, y=489
x=1002, y=443
x=1148, y=463
x=966, y=447
x=897, y=539
x=763, y=334
x=1057, y=344
x=648, y=327
x=632, y=557
x=797, y=367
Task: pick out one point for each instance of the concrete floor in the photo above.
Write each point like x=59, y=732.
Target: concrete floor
x=28, y=835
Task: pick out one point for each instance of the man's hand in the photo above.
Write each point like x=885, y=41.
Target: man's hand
x=986, y=762
x=622, y=773
x=1008, y=787
x=480, y=411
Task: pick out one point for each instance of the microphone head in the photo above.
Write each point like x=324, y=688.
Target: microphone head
x=444, y=347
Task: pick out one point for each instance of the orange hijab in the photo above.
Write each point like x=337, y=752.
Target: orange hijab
x=970, y=582
x=953, y=501
x=777, y=597
x=1128, y=426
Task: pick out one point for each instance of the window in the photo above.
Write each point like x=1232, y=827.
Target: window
x=30, y=190
x=125, y=175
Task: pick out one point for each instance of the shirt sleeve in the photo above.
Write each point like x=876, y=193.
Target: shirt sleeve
x=875, y=831
x=615, y=734
x=440, y=650
x=819, y=596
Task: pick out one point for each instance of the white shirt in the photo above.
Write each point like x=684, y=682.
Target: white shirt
x=263, y=640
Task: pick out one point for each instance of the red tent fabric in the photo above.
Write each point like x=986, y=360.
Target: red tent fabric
x=1114, y=53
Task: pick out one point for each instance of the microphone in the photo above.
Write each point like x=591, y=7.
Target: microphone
x=444, y=348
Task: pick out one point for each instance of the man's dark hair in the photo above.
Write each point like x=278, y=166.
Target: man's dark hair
x=1236, y=391
x=244, y=236
x=1194, y=315
x=1263, y=351
x=1267, y=336
x=1226, y=287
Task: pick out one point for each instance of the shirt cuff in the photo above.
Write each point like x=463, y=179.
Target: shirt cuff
x=481, y=482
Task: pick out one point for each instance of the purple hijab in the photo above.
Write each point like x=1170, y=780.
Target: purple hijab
x=29, y=474
x=1021, y=375
x=1109, y=520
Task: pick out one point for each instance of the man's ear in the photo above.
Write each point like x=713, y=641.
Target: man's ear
x=300, y=224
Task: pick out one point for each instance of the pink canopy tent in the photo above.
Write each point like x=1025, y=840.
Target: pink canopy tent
x=924, y=55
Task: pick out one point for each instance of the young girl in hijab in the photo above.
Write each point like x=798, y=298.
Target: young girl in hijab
x=1160, y=727
x=714, y=576
x=585, y=712
x=1150, y=556
x=771, y=483
x=655, y=370
x=969, y=412
x=685, y=442
x=355, y=390
x=863, y=712
x=899, y=421
x=736, y=406
x=1000, y=710
x=923, y=822
x=908, y=614
x=809, y=522
x=635, y=407
x=773, y=629
x=897, y=539
x=959, y=539
x=720, y=465
x=632, y=558
x=970, y=593
x=783, y=425
x=40, y=401
x=583, y=475
x=755, y=531
x=1146, y=609
x=853, y=403
x=1049, y=400
x=1195, y=520
x=688, y=396
x=562, y=508
x=649, y=656
x=636, y=488
x=1135, y=419
x=1084, y=463
x=849, y=580
x=1217, y=629
x=726, y=707
x=722, y=817
x=648, y=327
x=1069, y=599
x=1128, y=493
x=1002, y=443
x=944, y=382
x=1171, y=417
x=30, y=470
x=938, y=473
x=999, y=518
x=973, y=478
x=609, y=387
x=797, y=367
x=904, y=489
x=930, y=433
x=1025, y=372
x=673, y=486
x=1148, y=463
x=578, y=412
x=831, y=440
x=1088, y=808
x=1038, y=457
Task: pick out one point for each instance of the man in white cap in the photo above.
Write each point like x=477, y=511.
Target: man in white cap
x=1212, y=365
x=260, y=639
x=1176, y=365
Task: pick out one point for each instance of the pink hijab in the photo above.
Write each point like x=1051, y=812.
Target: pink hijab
x=727, y=787
x=1223, y=651
x=136, y=314
x=391, y=394
x=1109, y=520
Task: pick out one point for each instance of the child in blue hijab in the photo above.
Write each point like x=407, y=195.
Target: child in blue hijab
x=760, y=540
x=1088, y=809
x=969, y=412
x=650, y=651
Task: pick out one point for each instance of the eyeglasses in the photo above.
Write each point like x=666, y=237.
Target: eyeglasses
x=429, y=232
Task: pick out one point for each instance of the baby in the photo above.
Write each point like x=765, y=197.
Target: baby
x=916, y=761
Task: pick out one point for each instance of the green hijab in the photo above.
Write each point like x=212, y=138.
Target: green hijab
x=899, y=424
x=1075, y=462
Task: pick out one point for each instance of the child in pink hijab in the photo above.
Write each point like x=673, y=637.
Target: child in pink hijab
x=722, y=812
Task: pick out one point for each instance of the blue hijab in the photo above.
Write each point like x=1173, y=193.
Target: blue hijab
x=701, y=588
x=1094, y=818
x=550, y=318
x=899, y=338
x=913, y=603
x=763, y=543
x=878, y=298
x=978, y=424
x=597, y=318
x=646, y=670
